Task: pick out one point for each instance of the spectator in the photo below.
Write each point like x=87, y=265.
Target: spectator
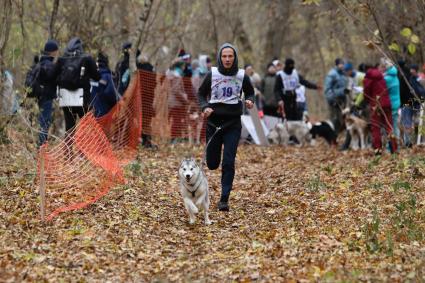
x=409, y=107
x=376, y=95
x=122, y=69
x=277, y=64
x=74, y=71
x=177, y=99
x=47, y=79
x=267, y=89
x=148, y=94
x=204, y=65
x=103, y=93
x=335, y=90
x=256, y=83
x=286, y=83
x=393, y=86
x=142, y=62
x=186, y=58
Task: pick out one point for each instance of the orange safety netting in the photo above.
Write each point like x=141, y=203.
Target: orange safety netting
x=88, y=162
x=170, y=107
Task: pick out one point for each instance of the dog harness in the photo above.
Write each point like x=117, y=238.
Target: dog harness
x=196, y=185
x=226, y=89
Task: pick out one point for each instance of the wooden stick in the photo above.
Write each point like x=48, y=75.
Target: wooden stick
x=42, y=188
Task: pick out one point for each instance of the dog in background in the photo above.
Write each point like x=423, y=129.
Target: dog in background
x=282, y=132
x=357, y=128
x=324, y=129
x=194, y=189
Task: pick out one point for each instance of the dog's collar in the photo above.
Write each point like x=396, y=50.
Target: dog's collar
x=197, y=184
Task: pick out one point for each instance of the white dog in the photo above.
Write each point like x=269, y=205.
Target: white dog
x=194, y=189
x=282, y=131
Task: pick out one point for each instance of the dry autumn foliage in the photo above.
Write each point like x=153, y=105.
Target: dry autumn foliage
x=309, y=214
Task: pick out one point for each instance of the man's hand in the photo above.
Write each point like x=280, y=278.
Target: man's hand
x=207, y=112
x=249, y=104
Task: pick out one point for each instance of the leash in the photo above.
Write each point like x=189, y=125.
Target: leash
x=217, y=129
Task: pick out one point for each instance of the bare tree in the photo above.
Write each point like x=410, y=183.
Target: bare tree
x=6, y=23
x=53, y=17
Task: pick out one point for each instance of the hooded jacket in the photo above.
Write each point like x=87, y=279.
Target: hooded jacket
x=103, y=95
x=406, y=97
x=393, y=86
x=224, y=111
x=48, y=77
x=375, y=89
x=74, y=51
x=335, y=84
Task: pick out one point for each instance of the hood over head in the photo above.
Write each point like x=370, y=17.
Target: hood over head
x=74, y=45
x=232, y=71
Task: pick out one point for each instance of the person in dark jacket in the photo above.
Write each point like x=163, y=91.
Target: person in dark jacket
x=103, y=93
x=411, y=110
x=267, y=89
x=147, y=88
x=376, y=95
x=409, y=106
x=47, y=79
x=287, y=82
x=87, y=70
x=122, y=69
x=219, y=99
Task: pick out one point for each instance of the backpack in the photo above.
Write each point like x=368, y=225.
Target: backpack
x=33, y=87
x=71, y=73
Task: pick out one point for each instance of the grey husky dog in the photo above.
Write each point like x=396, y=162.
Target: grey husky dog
x=194, y=189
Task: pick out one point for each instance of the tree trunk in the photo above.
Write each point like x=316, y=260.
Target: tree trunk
x=5, y=25
x=53, y=19
x=279, y=12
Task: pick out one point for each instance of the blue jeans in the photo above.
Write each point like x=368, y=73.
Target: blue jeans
x=407, y=114
x=44, y=119
x=396, y=130
x=229, y=137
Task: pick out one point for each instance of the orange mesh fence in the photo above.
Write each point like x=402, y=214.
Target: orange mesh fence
x=88, y=162
x=170, y=107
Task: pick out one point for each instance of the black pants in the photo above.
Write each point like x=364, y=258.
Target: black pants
x=229, y=138
x=71, y=114
x=290, y=105
x=271, y=111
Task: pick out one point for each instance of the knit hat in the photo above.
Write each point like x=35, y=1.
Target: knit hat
x=338, y=61
x=289, y=62
x=183, y=54
x=414, y=67
x=51, y=46
x=126, y=45
x=102, y=59
x=348, y=66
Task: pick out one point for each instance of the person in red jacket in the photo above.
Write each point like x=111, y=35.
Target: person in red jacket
x=376, y=94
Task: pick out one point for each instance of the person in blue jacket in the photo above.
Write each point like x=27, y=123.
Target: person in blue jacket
x=393, y=86
x=335, y=93
x=103, y=94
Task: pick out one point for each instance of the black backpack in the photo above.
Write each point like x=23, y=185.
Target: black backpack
x=33, y=87
x=71, y=75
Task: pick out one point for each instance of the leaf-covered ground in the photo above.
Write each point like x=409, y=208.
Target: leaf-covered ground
x=309, y=214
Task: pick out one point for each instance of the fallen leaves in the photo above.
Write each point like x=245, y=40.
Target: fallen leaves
x=296, y=215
